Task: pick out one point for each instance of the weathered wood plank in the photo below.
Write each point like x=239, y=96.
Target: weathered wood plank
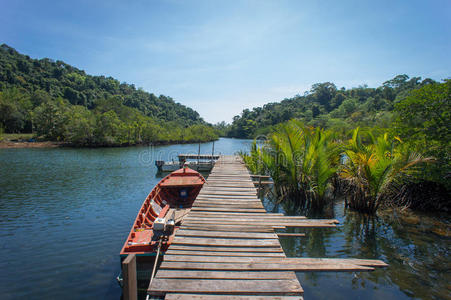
x=288, y=234
x=224, y=274
x=228, y=205
x=226, y=248
x=225, y=214
x=241, y=235
x=239, y=188
x=209, y=196
x=277, y=260
x=229, y=183
x=228, y=209
x=230, y=286
x=245, y=217
x=229, y=201
x=130, y=281
x=226, y=242
x=267, y=222
x=231, y=228
x=224, y=253
x=332, y=267
x=227, y=297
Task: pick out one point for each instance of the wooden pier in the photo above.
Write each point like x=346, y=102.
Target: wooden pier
x=226, y=247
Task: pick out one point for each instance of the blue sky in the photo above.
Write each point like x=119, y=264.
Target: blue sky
x=220, y=57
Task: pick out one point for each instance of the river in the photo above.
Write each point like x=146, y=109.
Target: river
x=65, y=213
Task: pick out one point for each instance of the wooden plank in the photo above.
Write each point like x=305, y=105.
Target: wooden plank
x=229, y=201
x=287, y=234
x=238, y=188
x=267, y=222
x=227, y=183
x=228, y=205
x=332, y=267
x=231, y=228
x=226, y=242
x=130, y=290
x=250, y=221
x=259, y=210
x=226, y=286
x=237, y=202
x=224, y=274
x=172, y=296
x=260, y=176
x=230, y=181
x=272, y=221
x=228, y=191
x=230, y=194
x=212, y=213
x=208, y=196
x=277, y=260
x=226, y=249
x=227, y=197
x=245, y=217
x=226, y=186
x=227, y=234
x=224, y=253
x=216, y=174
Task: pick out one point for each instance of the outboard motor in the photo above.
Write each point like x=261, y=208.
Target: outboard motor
x=159, y=164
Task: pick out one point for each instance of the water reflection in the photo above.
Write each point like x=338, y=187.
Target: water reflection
x=64, y=215
x=416, y=246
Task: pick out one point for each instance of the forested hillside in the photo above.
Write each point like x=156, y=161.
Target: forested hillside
x=397, y=140
x=327, y=106
x=60, y=102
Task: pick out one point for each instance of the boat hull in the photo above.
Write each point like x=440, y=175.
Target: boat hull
x=177, y=190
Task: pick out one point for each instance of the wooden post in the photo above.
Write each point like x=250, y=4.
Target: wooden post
x=259, y=184
x=198, y=157
x=130, y=290
x=212, y=154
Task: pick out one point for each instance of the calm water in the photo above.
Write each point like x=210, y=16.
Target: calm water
x=64, y=215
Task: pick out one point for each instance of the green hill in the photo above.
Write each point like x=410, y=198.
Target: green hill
x=43, y=96
x=329, y=107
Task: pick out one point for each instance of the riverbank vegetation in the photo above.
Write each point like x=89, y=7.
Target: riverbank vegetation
x=373, y=166
x=58, y=102
x=329, y=107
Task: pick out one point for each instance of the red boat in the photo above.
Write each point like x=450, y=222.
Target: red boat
x=176, y=191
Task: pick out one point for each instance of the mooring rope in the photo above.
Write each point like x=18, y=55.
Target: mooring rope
x=155, y=263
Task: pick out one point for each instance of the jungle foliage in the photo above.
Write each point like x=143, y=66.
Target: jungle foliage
x=326, y=106
x=310, y=165
x=407, y=123
x=62, y=103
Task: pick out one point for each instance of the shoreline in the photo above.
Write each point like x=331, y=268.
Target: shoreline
x=19, y=145
x=49, y=144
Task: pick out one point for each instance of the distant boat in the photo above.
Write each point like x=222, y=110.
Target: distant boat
x=200, y=162
x=176, y=191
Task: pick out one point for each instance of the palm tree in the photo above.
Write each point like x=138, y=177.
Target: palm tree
x=318, y=164
x=300, y=160
x=373, y=169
